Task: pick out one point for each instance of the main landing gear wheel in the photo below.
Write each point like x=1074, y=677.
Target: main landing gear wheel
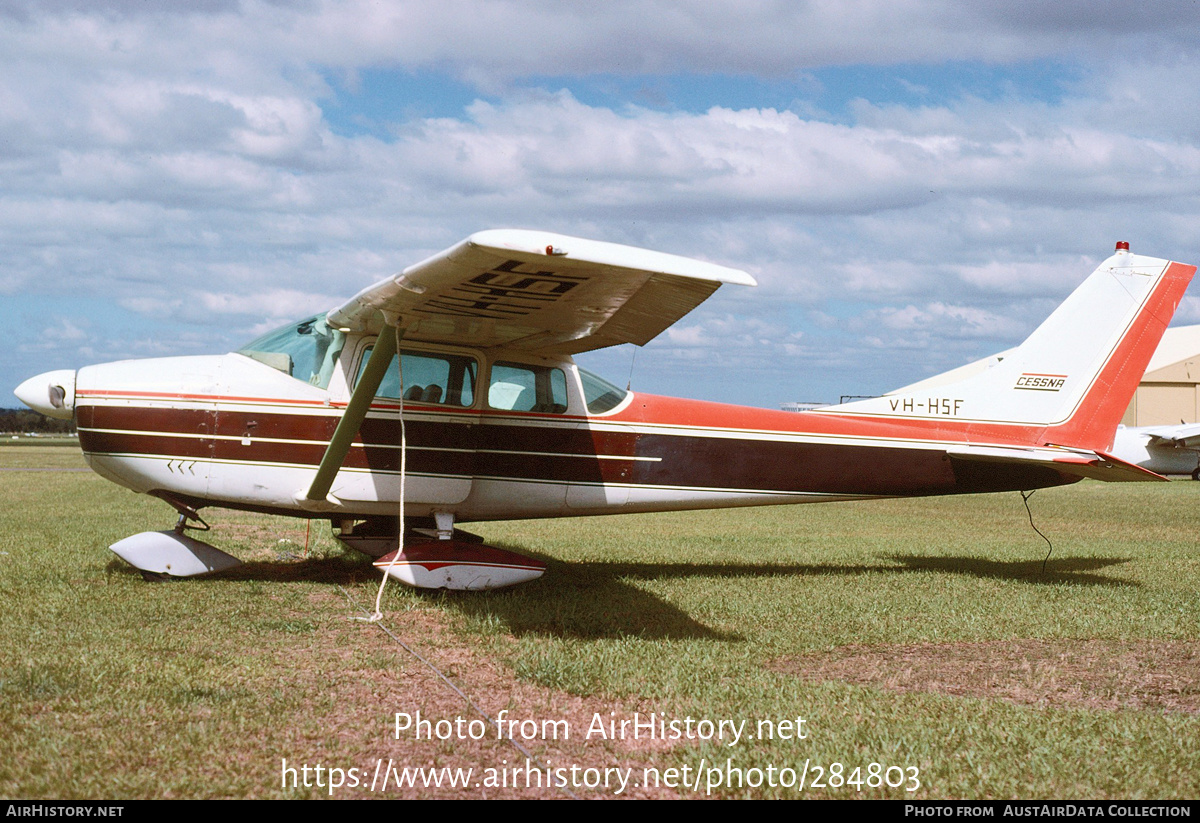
x=436, y=555
x=459, y=565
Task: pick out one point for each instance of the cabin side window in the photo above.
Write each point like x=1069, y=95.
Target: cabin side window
x=308, y=350
x=519, y=387
x=445, y=379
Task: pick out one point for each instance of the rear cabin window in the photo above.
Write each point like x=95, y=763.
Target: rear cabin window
x=599, y=394
x=445, y=379
x=518, y=387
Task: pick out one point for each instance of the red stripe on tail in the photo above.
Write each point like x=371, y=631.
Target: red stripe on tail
x=1094, y=423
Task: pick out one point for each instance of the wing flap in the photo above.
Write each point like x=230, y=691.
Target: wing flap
x=537, y=291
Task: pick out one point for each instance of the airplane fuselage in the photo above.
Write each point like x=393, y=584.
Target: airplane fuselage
x=231, y=431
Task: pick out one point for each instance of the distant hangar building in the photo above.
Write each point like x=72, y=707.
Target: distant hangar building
x=1170, y=390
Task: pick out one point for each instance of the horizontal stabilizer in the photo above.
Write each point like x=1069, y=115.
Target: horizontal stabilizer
x=1070, y=462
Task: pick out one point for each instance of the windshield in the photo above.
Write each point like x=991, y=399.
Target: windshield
x=308, y=350
x=599, y=393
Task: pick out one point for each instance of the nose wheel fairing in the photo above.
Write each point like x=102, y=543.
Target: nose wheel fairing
x=172, y=554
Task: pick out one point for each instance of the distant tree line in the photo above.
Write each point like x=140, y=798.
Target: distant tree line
x=20, y=421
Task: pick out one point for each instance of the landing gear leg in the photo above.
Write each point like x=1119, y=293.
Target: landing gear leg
x=445, y=524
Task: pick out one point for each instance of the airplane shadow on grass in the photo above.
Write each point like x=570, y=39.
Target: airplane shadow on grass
x=595, y=600
x=1073, y=570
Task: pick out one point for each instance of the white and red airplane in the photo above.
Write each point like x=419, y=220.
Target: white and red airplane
x=499, y=422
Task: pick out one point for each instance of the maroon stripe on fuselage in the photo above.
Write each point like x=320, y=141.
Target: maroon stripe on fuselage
x=792, y=467
x=536, y=451
x=142, y=418
x=129, y=443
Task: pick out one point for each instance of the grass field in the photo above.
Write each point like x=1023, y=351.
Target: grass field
x=918, y=634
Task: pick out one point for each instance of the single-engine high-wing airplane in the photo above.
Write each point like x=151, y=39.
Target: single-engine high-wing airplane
x=499, y=423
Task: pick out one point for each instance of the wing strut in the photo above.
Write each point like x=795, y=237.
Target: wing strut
x=356, y=411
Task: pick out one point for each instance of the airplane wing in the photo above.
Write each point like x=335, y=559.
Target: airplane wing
x=1184, y=436
x=537, y=291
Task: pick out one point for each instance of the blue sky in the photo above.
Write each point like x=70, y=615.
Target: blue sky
x=377, y=100
x=913, y=184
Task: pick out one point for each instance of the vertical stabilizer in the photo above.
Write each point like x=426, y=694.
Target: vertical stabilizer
x=1070, y=382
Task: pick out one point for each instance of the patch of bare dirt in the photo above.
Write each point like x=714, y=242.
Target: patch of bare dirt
x=1155, y=675
x=371, y=677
